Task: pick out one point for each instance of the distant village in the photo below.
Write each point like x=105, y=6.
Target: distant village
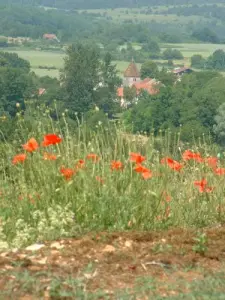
x=131, y=76
x=132, y=79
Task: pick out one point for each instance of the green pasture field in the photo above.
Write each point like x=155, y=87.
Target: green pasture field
x=55, y=59
x=46, y=72
x=41, y=58
x=189, y=49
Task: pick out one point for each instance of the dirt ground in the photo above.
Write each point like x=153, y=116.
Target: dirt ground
x=109, y=262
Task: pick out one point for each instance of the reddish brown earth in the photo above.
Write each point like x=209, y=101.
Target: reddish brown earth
x=112, y=261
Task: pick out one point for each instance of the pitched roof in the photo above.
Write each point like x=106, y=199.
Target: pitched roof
x=132, y=70
x=181, y=70
x=149, y=85
x=50, y=36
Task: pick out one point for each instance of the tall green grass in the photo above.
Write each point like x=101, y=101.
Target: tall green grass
x=38, y=203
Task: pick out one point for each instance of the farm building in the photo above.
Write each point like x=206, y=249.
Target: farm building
x=50, y=37
x=181, y=71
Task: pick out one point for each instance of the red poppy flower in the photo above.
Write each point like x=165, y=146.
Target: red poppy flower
x=51, y=139
x=173, y=164
x=116, y=165
x=19, y=158
x=31, y=145
x=146, y=175
x=141, y=169
x=219, y=171
x=203, y=186
x=188, y=155
x=49, y=156
x=137, y=158
x=212, y=162
x=99, y=179
x=67, y=173
x=80, y=164
x=94, y=157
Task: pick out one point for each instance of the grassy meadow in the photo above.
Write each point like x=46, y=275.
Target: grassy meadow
x=38, y=58
x=103, y=180
x=107, y=214
x=102, y=214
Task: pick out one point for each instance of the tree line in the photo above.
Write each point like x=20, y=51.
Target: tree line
x=216, y=61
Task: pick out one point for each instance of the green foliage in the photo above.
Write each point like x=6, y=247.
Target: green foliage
x=80, y=77
x=151, y=46
x=77, y=4
x=117, y=198
x=197, y=61
x=151, y=112
x=172, y=54
x=130, y=94
x=33, y=22
x=15, y=82
x=166, y=78
x=217, y=60
x=95, y=119
x=88, y=82
x=149, y=69
x=201, y=243
x=15, y=87
x=107, y=89
x=206, y=35
x=14, y=61
x=219, y=127
x=188, y=106
x=3, y=42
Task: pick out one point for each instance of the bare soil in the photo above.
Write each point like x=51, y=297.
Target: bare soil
x=111, y=261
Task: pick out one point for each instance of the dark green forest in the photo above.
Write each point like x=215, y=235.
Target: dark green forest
x=70, y=26
x=34, y=22
x=95, y=4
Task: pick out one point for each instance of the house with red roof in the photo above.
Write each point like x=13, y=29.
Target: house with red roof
x=50, y=37
x=132, y=78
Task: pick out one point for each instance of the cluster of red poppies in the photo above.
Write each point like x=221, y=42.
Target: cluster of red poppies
x=32, y=145
x=116, y=165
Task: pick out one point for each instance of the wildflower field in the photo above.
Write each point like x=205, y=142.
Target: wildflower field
x=111, y=187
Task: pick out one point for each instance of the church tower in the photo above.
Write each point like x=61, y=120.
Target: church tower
x=131, y=75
